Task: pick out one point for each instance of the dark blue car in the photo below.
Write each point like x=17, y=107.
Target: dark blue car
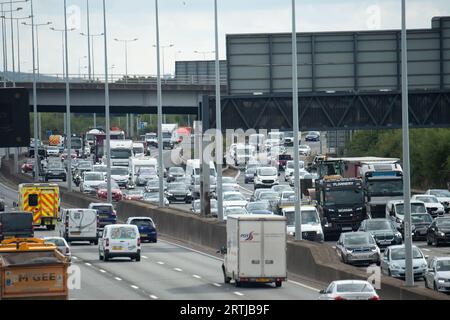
x=146, y=226
x=105, y=213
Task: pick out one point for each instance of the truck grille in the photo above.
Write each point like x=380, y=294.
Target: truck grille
x=309, y=235
x=267, y=181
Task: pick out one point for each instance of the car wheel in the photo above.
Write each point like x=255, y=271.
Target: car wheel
x=278, y=284
x=100, y=257
x=237, y=283
x=436, y=242
x=138, y=258
x=96, y=242
x=225, y=278
x=105, y=256
x=389, y=273
x=435, y=287
x=429, y=241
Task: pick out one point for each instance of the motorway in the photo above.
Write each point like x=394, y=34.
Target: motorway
x=167, y=271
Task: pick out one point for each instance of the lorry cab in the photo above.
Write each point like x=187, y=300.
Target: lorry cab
x=79, y=225
x=395, y=211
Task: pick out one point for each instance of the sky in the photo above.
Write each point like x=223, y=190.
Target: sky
x=188, y=25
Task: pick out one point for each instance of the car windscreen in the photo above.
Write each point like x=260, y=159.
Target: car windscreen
x=147, y=172
x=119, y=171
x=233, y=197
x=177, y=186
x=138, y=150
x=100, y=169
x=310, y=217
x=385, y=187
x=354, y=287
x=428, y=199
x=56, y=242
x=55, y=166
x=378, y=225
x=93, y=177
x=284, y=157
x=269, y=196
x=251, y=170
x=253, y=206
x=176, y=170
x=358, y=240
x=167, y=135
x=103, y=209
x=229, y=211
x=421, y=218
x=266, y=172
x=440, y=193
x=142, y=222
x=443, y=265
x=415, y=208
x=123, y=233
x=84, y=165
x=399, y=254
x=443, y=223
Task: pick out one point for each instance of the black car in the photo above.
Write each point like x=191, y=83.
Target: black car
x=313, y=136
x=420, y=223
x=178, y=192
x=250, y=174
x=55, y=170
x=174, y=173
x=383, y=231
x=439, y=231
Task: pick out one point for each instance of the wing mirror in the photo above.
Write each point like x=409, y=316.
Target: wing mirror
x=222, y=251
x=322, y=292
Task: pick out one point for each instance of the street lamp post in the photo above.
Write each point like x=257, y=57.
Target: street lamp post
x=18, y=36
x=68, y=133
x=79, y=65
x=107, y=115
x=159, y=104
x=37, y=25
x=409, y=272
x=125, y=41
x=204, y=53
x=91, y=52
x=35, y=120
x=163, y=60
x=297, y=187
x=62, y=46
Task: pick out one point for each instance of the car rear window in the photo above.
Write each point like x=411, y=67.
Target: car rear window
x=103, y=209
x=56, y=242
x=123, y=233
x=354, y=287
x=142, y=223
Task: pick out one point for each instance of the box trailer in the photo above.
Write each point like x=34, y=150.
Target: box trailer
x=256, y=249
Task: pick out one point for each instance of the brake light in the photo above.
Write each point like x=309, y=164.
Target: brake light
x=107, y=242
x=375, y=298
x=139, y=242
x=339, y=298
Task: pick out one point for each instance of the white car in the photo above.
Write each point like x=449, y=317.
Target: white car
x=87, y=151
x=120, y=240
x=61, y=245
x=443, y=195
x=120, y=175
x=433, y=205
x=230, y=182
x=52, y=151
x=91, y=181
x=266, y=177
x=304, y=150
x=349, y=290
x=289, y=170
x=311, y=227
x=233, y=210
x=234, y=199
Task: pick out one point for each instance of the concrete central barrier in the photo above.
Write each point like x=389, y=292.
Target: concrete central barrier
x=311, y=260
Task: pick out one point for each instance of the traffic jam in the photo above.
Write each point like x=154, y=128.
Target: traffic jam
x=354, y=204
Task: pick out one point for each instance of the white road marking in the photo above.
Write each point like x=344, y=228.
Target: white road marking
x=160, y=262
x=217, y=285
x=304, y=285
x=88, y=264
x=75, y=258
x=102, y=271
x=425, y=249
x=196, y=276
x=153, y=297
x=118, y=279
x=178, y=269
x=134, y=287
x=193, y=250
x=144, y=257
x=238, y=293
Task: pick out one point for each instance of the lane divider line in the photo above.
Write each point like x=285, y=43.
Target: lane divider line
x=196, y=276
x=217, y=284
x=153, y=297
x=303, y=285
x=160, y=262
x=238, y=293
x=102, y=271
x=117, y=278
x=88, y=264
x=178, y=269
x=134, y=287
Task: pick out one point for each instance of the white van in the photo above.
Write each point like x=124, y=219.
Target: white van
x=79, y=225
x=138, y=149
x=193, y=168
x=120, y=240
x=395, y=211
x=311, y=227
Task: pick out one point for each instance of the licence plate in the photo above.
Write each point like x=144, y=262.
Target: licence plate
x=143, y=234
x=363, y=256
x=103, y=216
x=117, y=248
x=47, y=222
x=77, y=233
x=385, y=242
x=347, y=229
x=262, y=280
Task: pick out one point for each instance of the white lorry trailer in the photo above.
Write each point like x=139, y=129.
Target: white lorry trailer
x=256, y=249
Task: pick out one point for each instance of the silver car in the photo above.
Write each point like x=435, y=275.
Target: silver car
x=61, y=245
x=393, y=262
x=437, y=276
x=349, y=290
x=358, y=248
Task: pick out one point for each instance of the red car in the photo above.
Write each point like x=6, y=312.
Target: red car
x=102, y=191
x=136, y=195
x=28, y=166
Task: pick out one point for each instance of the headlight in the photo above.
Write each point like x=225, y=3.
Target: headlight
x=374, y=249
x=395, y=267
x=441, y=281
x=424, y=265
x=398, y=235
x=441, y=234
x=349, y=250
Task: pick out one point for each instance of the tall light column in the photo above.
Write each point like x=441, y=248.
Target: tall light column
x=159, y=103
x=219, y=144
x=409, y=272
x=297, y=187
x=125, y=42
x=68, y=126
x=107, y=115
x=35, y=120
